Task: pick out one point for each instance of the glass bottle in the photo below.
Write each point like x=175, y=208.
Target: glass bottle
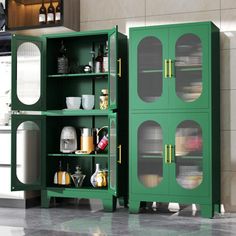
x=51, y=13
x=58, y=12
x=99, y=60
x=105, y=58
x=67, y=177
x=62, y=60
x=103, y=104
x=93, y=178
x=42, y=14
x=102, y=144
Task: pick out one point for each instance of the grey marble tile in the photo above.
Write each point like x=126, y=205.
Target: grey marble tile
x=74, y=219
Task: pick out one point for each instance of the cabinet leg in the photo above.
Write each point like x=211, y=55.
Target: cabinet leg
x=207, y=211
x=217, y=208
x=123, y=201
x=134, y=206
x=45, y=199
x=109, y=205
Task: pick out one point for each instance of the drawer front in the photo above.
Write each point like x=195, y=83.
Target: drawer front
x=5, y=184
x=5, y=147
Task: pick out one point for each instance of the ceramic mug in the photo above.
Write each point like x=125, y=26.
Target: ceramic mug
x=87, y=101
x=73, y=102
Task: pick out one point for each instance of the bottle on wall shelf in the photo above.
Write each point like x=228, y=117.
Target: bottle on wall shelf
x=51, y=13
x=58, y=12
x=42, y=14
x=62, y=60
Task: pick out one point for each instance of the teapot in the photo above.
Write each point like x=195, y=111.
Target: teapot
x=78, y=177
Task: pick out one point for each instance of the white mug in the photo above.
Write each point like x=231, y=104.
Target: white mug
x=87, y=101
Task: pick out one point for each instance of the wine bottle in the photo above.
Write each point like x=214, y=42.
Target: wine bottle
x=99, y=60
x=58, y=12
x=62, y=60
x=51, y=13
x=42, y=14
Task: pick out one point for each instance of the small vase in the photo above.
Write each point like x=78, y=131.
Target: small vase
x=93, y=178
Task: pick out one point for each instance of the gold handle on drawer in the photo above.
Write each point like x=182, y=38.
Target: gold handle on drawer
x=170, y=68
x=166, y=68
x=170, y=153
x=120, y=72
x=166, y=153
x=120, y=149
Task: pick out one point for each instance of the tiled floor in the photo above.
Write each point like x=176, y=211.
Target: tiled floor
x=81, y=219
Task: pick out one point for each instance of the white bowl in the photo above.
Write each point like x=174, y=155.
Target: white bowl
x=73, y=102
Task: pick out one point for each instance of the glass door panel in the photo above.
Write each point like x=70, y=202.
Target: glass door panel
x=113, y=69
x=27, y=73
x=189, y=155
x=150, y=71
x=113, y=152
x=27, y=152
x=188, y=66
x=150, y=154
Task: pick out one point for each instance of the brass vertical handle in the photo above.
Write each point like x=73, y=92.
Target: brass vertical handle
x=166, y=153
x=120, y=149
x=170, y=153
x=120, y=71
x=170, y=68
x=166, y=68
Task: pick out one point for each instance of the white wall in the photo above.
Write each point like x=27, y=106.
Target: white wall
x=129, y=13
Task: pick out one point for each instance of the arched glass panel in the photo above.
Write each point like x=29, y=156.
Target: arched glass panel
x=150, y=154
x=188, y=51
x=189, y=154
x=113, y=150
x=28, y=152
x=150, y=69
x=28, y=73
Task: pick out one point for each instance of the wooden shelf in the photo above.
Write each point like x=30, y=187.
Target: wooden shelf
x=24, y=15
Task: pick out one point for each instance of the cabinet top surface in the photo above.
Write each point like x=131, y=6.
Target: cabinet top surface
x=206, y=23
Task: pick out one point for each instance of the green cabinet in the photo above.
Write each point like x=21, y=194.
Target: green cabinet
x=39, y=102
x=174, y=129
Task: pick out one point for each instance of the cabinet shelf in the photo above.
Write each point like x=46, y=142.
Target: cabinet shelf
x=151, y=71
x=76, y=155
x=189, y=68
x=151, y=156
x=93, y=75
x=77, y=112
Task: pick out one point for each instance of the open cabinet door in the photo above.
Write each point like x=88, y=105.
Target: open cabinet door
x=113, y=71
x=27, y=152
x=113, y=153
x=28, y=84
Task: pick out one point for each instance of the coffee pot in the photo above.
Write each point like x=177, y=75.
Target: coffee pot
x=68, y=142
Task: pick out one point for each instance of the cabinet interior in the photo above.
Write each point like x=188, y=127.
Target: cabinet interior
x=54, y=126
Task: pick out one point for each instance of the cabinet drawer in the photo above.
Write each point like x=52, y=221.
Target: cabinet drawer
x=5, y=147
x=5, y=184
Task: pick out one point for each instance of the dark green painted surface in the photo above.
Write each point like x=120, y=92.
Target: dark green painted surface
x=54, y=90
x=169, y=111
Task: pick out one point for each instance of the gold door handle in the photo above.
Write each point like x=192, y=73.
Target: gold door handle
x=120, y=149
x=166, y=153
x=120, y=72
x=170, y=153
x=166, y=69
x=170, y=68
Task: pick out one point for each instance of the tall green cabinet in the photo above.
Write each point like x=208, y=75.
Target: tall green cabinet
x=174, y=119
x=39, y=101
